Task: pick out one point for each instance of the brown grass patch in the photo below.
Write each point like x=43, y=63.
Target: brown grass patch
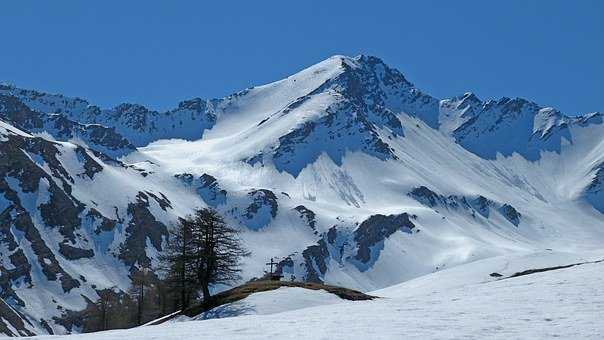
x=243, y=291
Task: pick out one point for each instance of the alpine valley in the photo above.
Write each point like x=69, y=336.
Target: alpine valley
x=345, y=172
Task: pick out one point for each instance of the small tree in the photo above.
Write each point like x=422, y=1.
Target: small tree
x=142, y=282
x=103, y=305
x=164, y=301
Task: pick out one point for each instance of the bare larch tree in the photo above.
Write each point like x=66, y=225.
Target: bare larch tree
x=203, y=250
x=218, y=250
x=176, y=262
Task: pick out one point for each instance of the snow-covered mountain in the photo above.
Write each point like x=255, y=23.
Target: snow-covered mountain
x=345, y=171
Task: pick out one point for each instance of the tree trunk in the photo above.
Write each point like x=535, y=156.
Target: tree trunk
x=206, y=291
x=103, y=315
x=140, y=304
x=183, y=302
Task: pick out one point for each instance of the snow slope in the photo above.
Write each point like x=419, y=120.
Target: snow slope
x=345, y=171
x=463, y=302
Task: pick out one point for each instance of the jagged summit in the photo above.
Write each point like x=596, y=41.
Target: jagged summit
x=338, y=105
x=365, y=77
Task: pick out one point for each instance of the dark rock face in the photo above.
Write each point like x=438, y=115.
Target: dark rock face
x=59, y=211
x=480, y=204
x=105, y=139
x=91, y=166
x=510, y=213
x=465, y=107
x=431, y=199
x=46, y=259
x=594, y=193
x=262, y=209
x=332, y=235
x=12, y=323
x=361, y=246
x=364, y=117
x=371, y=82
x=285, y=266
x=115, y=131
x=142, y=225
x=374, y=230
x=316, y=258
x=15, y=112
x=74, y=253
x=210, y=191
x=43, y=225
x=162, y=200
x=598, y=181
x=508, y=126
x=105, y=225
x=21, y=270
x=177, y=123
x=207, y=187
x=343, y=128
x=426, y=196
x=262, y=198
x=339, y=241
x=308, y=216
x=134, y=114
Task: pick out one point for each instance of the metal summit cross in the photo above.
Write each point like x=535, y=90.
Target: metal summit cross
x=270, y=275
x=271, y=264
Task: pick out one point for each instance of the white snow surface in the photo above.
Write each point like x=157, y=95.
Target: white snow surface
x=459, y=303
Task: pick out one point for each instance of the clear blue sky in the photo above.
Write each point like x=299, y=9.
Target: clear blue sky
x=159, y=52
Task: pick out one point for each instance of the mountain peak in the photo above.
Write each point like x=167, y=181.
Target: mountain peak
x=358, y=59
x=368, y=59
x=471, y=96
x=4, y=85
x=363, y=62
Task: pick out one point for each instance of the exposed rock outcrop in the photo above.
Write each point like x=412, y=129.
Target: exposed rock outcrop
x=308, y=216
x=143, y=226
x=595, y=191
x=477, y=204
x=262, y=208
x=372, y=232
